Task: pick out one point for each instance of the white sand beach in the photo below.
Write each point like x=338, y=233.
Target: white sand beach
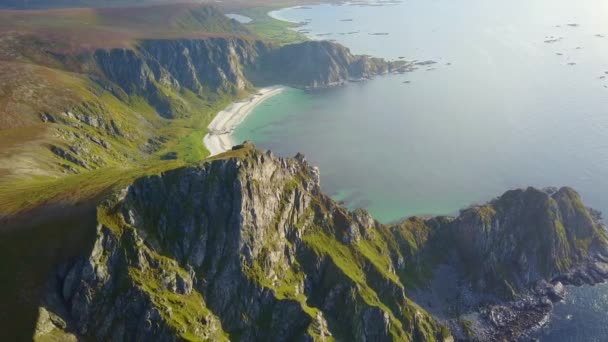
x=219, y=139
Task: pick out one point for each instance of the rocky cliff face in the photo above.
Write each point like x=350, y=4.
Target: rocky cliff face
x=528, y=235
x=247, y=247
x=200, y=65
x=217, y=63
x=158, y=68
x=494, y=271
x=210, y=66
x=318, y=64
x=244, y=247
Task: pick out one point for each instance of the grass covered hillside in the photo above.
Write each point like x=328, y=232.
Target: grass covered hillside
x=72, y=103
x=87, y=17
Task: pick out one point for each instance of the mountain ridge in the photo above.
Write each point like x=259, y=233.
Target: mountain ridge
x=267, y=243
x=266, y=222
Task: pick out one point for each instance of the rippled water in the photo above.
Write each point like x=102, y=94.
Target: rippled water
x=582, y=317
x=518, y=97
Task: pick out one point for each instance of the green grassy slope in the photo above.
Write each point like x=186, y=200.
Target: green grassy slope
x=32, y=4
x=53, y=103
x=26, y=141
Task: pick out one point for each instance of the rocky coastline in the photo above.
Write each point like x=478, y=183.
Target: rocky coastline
x=517, y=320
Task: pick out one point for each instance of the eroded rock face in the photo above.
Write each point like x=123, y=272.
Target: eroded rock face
x=245, y=246
x=528, y=235
x=202, y=66
x=215, y=63
x=508, y=260
x=221, y=65
x=319, y=64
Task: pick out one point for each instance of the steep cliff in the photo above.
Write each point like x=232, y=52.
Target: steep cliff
x=161, y=70
x=528, y=235
x=318, y=64
x=243, y=247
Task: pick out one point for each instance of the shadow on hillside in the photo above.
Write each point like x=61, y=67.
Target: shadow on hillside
x=31, y=247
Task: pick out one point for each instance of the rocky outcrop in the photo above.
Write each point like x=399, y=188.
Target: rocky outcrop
x=528, y=235
x=203, y=66
x=319, y=64
x=156, y=68
x=217, y=64
x=506, y=261
x=245, y=246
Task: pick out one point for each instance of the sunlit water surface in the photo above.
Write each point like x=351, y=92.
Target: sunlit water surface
x=500, y=110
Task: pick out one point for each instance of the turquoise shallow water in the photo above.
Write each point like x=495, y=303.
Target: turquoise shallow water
x=518, y=97
x=363, y=163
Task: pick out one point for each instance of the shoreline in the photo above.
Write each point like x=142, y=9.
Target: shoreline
x=219, y=136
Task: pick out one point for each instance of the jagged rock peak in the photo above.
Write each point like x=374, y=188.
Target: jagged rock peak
x=245, y=244
x=242, y=245
x=318, y=64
